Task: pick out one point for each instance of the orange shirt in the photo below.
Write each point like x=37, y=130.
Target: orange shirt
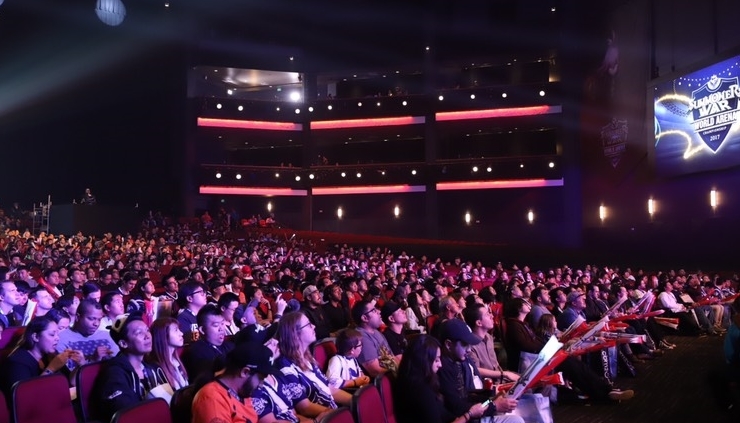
x=213, y=402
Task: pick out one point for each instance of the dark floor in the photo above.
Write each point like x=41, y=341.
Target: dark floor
x=672, y=388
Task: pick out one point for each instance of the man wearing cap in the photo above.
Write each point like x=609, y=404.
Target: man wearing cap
x=459, y=376
x=394, y=318
x=227, y=399
x=374, y=345
x=126, y=379
x=312, y=308
x=575, y=303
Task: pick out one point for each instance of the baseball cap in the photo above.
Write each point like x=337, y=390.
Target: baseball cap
x=309, y=290
x=457, y=330
x=389, y=308
x=252, y=355
x=574, y=295
x=120, y=325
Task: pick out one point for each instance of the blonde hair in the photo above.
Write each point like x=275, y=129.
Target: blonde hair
x=290, y=344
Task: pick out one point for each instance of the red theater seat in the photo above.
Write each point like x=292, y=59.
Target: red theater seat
x=153, y=410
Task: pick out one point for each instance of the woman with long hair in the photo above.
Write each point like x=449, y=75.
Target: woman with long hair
x=166, y=340
x=416, y=389
x=295, y=335
x=36, y=355
x=416, y=319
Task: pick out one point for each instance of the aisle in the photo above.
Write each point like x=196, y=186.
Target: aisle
x=672, y=388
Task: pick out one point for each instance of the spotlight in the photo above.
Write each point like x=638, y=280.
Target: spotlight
x=329, y=107
x=340, y=212
x=359, y=175
x=277, y=175
x=542, y=93
x=311, y=176
x=295, y=96
x=472, y=96
x=441, y=97
x=377, y=104
x=343, y=174
x=310, y=108
x=297, y=111
x=218, y=175
x=404, y=103
x=396, y=211
x=468, y=218
x=521, y=165
x=413, y=172
x=551, y=165
x=240, y=108
x=530, y=216
x=238, y=176
x=489, y=169
x=504, y=95
x=297, y=178
x=475, y=168
x=230, y=91
x=277, y=109
x=219, y=106
x=359, y=104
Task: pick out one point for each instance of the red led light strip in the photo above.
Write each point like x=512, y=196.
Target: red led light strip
x=497, y=113
x=369, y=189
x=367, y=123
x=287, y=192
x=521, y=183
x=249, y=124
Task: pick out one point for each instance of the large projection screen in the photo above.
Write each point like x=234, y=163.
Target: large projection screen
x=695, y=116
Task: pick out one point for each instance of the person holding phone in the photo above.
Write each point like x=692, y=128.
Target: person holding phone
x=417, y=391
x=459, y=377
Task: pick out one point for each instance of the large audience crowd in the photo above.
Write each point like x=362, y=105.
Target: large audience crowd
x=234, y=324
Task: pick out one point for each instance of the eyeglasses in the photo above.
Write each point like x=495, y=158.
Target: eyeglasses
x=200, y=291
x=304, y=326
x=372, y=310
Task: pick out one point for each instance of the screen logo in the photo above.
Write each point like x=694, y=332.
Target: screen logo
x=714, y=109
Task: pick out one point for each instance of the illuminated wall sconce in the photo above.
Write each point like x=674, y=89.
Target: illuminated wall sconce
x=238, y=176
x=340, y=212
x=396, y=211
x=218, y=175
x=602, y=212
x=530, y=216
x=269, y=206
x=651, y=207
x=713, y=199
x=468, y=218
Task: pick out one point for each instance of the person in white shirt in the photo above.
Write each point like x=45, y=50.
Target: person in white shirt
x=343, y=370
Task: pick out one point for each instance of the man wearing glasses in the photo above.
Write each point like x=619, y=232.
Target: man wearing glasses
x=191, y=297
x=375, y=347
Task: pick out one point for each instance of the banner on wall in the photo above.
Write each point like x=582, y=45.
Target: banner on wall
x=614, y=140
x=696, y=120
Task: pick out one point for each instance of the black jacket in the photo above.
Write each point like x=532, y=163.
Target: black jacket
x=118, y=386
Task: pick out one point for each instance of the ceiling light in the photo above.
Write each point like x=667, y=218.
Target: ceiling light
x=297, y=178
x=218, y=175
x=504, y=95
x=277, y=175
x=230, y=91
x=472, y=96
x=297, y=111
x=551, y=165
x=404, y=103
x=489, y=169
x=542, y=93
x=329, y=107
x=219, y=106
x=310, y=108
x=238, y=176
x=359, y=104
x=441, y=97
x=311, y=176
x=240, y=108
x=413, y=172
x=295, y=96
x=343, y=174
x=359, y=175
x=475, y=168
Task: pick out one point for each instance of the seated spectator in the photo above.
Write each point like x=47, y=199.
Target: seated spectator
x=416, y=319
x=480, y=320
x=227, y=399
x=687, y=324
x=9, y=298
x=299, y=369
x=91, y=290
x=84, y=335
x=228, y=304
x=416, y=390
x=126, y=379
x=251, y=330
x=142, y=300
x=60, y=317
x=166, y=341
x=206, y=356
x=35, y=355
x=376, y=356
x=191, y=298
x=344, y=371
x=112, y=303
x=43, y=301
x=69, y=303
x=335, y=309
x=312, y=308
x=394, y=318
x=459, y=377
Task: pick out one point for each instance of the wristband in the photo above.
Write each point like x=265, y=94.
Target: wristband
x=47, y=371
